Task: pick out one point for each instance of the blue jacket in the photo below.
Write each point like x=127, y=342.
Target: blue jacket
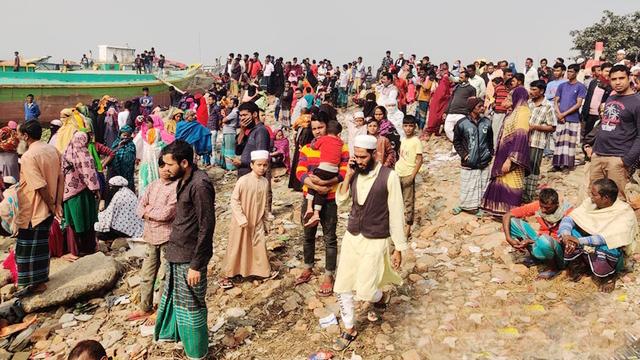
x=31, y=112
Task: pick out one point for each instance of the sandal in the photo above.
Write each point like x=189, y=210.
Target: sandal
x=274, y=274
x=344, y=341
x=305, y=277
x=373, y=316
x=138, y=315
x=480, y=214
x=326, y=289
x=456, y=210
x=225, y=283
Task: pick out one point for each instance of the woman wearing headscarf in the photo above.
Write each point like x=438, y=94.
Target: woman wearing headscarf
x=149, y=142
x=100, y=119
x=124, y=159
x=72, y=121
x=369, y=105
x=175, y=116
x=88, y=117
x=81, y=194
x=8, y=156
x=512, y=157
x=276, y=81
x=196, y=135
x=119, y=219
x=280, y=156
x=386, y=128
x=54, y=126
x=110, y=126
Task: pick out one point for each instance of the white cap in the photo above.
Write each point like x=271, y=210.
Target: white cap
x=621, y=52
x=259, y=155
x=401, y=53
x=365, y=142
x=9, y=180
x=358, y=114
x=580, y=60
x=634, y=69
x=56, y=122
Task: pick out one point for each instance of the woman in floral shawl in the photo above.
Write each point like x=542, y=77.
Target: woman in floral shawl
x=81, y=193
x=512, y=158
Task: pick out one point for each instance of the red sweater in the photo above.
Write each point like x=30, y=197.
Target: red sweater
x=330, y=149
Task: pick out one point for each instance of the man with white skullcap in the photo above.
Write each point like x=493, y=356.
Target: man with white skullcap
x=247, y=248
x=376, y=220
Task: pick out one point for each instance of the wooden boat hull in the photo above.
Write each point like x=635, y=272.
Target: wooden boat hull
x=56, y=91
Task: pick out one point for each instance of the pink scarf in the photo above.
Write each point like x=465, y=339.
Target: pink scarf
x=78, y=167
x=158, y=124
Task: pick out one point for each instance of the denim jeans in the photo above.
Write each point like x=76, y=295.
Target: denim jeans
x=329, y=222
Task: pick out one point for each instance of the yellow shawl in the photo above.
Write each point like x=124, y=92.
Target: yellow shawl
x=617, y=224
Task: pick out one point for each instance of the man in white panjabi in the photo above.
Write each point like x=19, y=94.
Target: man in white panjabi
x=388, y=97
x=376, y=220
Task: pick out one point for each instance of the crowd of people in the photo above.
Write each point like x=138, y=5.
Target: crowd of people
x=134, y=168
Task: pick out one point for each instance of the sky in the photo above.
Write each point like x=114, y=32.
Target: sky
x=340, y=30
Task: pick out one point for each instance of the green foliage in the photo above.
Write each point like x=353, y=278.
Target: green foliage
x=616, y=31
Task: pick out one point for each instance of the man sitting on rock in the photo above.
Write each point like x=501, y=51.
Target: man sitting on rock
x=596, y=232
x=543, y=245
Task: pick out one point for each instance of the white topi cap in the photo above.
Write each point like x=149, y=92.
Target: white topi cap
x=259, y=155
x=358, y=114
x=365, y=142
x=621, y=52
x=9, y=180
x=56, y=122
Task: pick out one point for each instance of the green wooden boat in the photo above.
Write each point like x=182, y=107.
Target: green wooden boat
x=57, y=90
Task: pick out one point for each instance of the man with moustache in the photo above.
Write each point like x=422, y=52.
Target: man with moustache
x=376, y=220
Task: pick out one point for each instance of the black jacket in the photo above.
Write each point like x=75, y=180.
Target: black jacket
x=473, y=142
x=584, y=114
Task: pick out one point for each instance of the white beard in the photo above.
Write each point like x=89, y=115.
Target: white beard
x=22, y=147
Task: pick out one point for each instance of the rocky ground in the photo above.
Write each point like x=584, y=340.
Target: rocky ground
x=465, y=296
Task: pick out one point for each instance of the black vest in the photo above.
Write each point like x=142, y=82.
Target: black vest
x=372, y=217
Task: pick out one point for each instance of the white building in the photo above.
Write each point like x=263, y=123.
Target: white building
x=124, y=55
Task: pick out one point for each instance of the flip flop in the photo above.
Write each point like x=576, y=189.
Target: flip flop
x=274, y=274
x=305, y=277
x=456, y=210
x=344, y=341
x=373, y=316
x=225, y=284
x=326, y=289
x=137, y=316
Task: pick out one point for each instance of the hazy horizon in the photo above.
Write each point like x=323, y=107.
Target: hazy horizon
x=340, y=31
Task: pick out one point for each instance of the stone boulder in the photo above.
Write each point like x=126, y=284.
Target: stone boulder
x=89, y=275
x=215, y=174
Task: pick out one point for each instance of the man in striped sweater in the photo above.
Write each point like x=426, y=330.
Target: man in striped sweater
x=309, y=160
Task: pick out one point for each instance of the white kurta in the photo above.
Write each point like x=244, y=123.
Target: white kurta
x=364, y=265
x=388, y=97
